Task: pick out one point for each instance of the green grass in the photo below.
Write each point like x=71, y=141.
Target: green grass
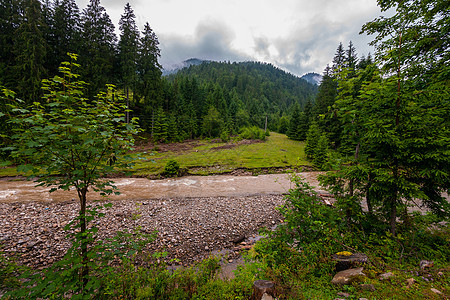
x=276, y=152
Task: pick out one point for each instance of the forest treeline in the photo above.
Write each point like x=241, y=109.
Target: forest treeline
x=209, y=100
x=216, y=97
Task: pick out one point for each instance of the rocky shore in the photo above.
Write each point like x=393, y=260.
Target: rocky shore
x=189, y=229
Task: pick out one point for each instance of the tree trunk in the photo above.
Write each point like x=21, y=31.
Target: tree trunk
x=127, y=118
x=368, y=197
x=83, y=242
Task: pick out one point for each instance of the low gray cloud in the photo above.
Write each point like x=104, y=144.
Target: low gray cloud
x=211, y=41
x=311, y=48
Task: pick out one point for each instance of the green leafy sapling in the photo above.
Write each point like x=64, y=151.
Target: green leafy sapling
x=70, y=142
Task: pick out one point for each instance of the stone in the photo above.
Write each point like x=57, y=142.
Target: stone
x=367, y=287
x=426, y=264
x=410, y=282
x=436, y=291
x=342, y=294
x=347, y=276
x=344, y=262
x=387, y=275
x=238, y=239
x=263, y=288
x=266, y=296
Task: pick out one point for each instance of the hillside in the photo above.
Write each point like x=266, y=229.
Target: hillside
x=255, y=83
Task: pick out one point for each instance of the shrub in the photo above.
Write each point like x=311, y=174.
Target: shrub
x=172, y=168
x=253, y=133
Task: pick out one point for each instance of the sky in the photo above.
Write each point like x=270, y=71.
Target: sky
x=298, y=36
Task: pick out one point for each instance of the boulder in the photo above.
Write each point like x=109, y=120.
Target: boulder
x=346, y=260
x=347, y=276
x=263, y=289
x=387, y=275
x=426, y=264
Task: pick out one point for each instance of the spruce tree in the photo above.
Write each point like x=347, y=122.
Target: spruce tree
x=293, y=124
x=149, y=85
x=65, y=37
x=30, y=50
x=321, y=152
x=128, y=50
x=312, y=139
x=351, y=59
x=98, y=48
x=339, y=60
x=9, y=22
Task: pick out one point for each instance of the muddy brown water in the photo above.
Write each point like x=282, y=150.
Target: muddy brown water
x=13, y=190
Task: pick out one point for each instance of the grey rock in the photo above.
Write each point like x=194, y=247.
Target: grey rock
x=347, y=276
x=367, y=287
x=386, y=276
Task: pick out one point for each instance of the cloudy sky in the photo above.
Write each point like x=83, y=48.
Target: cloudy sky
x=299, y=36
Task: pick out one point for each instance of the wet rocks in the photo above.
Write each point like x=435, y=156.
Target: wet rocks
x=189, y=229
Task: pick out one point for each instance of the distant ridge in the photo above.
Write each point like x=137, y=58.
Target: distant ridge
x=313, y=78
x=184, y=64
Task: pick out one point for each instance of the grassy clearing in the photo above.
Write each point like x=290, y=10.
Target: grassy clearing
x=276, y=152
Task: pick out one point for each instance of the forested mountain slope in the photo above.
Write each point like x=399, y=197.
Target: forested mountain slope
x=210, y=98
x=269, y=86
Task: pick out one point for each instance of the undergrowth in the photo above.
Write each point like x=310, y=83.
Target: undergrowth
x=297, y=256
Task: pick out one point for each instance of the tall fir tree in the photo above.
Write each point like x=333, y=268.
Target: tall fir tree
x=128, y=51
x=149, y=85
x=339, y=60
x=65, y=37
x=30, y=49
x=293, y=123
x=9, y=22
x=98, y=49
x=351, y=59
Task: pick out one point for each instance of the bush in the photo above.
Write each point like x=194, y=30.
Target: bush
x=253, y=133
x=172, y=168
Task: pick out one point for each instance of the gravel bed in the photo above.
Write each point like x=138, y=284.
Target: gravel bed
x=189, y=229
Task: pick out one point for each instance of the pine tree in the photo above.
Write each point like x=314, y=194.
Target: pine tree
x=65, y=37
x=351, y=58
x=161, y=126
x=30, y=50
x=321, y=152
x=293, y=124
x=9, y=22
x=149, y=85
x=339, y=60
x=128, y=49
x=98, y=52
x=312, y=139
x=408, y=107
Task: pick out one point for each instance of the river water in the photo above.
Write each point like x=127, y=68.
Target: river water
x=14, y=190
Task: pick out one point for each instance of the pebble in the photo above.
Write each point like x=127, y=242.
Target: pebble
x=191, y=227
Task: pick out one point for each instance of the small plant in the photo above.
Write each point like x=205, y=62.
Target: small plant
x=225, y=136
x=253, y=133
x=172, y=168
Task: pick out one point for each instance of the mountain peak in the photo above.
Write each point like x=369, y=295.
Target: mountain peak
x=184, y=64
x=312, y=78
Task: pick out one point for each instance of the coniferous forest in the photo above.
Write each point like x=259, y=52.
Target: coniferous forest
x=76, y=97
x=36, y=38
